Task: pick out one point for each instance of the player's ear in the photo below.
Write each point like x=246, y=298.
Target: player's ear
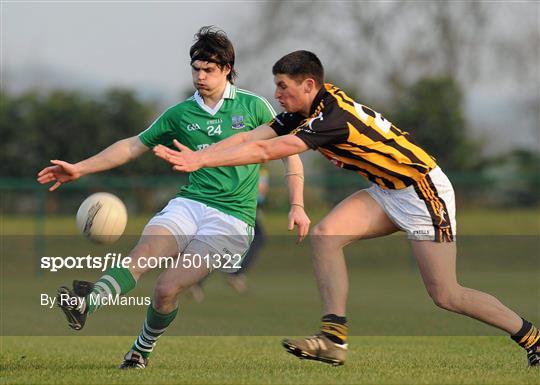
x=309, y=85
x=226, y=69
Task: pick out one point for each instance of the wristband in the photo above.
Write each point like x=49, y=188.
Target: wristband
x=294, y=174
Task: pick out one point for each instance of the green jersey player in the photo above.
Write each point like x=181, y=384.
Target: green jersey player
x=212, y=216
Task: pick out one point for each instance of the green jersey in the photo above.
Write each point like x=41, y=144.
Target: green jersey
x=232, y=190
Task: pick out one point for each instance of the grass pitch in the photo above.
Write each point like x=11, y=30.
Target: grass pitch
x=229, y=339
x=261, y=360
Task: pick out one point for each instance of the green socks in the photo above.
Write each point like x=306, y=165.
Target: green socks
x=154, y=326
x=116, y=281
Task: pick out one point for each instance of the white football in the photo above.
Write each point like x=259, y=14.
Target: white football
x=102, y=217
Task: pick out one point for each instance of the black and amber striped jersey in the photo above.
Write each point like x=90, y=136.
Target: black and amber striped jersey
x=355, y=137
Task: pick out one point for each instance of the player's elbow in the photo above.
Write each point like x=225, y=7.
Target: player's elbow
x=133, y=147
x=243, y=137
x=264, y=151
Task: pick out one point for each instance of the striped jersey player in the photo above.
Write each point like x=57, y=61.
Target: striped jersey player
x=409, y=192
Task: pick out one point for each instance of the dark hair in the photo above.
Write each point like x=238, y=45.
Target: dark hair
x=213, y=45
x=300, y=65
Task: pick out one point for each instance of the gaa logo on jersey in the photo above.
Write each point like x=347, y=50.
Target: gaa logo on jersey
x=238, y=122
x=193, y=127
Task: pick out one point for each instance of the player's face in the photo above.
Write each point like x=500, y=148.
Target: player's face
x=293, y=96
x=208, y=77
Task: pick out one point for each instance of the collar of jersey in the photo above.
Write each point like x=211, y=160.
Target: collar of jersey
x=229, y=93
x=320, y=95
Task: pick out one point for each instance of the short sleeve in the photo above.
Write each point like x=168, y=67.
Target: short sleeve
x=159, y=132
x=322, y=131
x=286, y=122
x=264, y=111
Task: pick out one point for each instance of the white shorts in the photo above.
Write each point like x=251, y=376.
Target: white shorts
x=189, y=220
x=425, y=210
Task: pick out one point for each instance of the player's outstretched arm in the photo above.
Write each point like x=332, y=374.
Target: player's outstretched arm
x=294, y=173
x=260, y=133
x=113, y=156
x=258, y=151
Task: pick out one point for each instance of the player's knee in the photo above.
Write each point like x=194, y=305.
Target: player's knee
x=447, y=298
x=323, y=235
x=165, y=296
x=320, y=230
x=139, y=259
x=165, y=307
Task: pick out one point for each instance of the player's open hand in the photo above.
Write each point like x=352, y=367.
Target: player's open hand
x=298, y=217
x=62, y=172
x=183, y=160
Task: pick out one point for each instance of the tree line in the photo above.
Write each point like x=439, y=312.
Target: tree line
x=71, y=125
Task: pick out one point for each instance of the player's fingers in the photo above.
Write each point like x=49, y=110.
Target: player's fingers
x=304, y=231
x=55, y=186
x=303, y=228
x=180, y=146
x=179, y=169
x=64, y=167
x=177, y=144
x=168, y=150
x=51, y=177
x=306, y=227
x=290, y=226
x=60, y=163
x=300, y=232
x=176, y=155
x=159, y=150
x=45, y=178
x=168, y=154
x=173, y=159
x=42, y=177
x=161, y=154
x=44, y=171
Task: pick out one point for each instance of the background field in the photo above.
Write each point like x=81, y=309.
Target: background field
x=399, y=335
x=462, y=77
x=260, y=360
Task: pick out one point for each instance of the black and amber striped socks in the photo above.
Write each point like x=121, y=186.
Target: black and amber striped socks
x=335, y=328
x=528, y=336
